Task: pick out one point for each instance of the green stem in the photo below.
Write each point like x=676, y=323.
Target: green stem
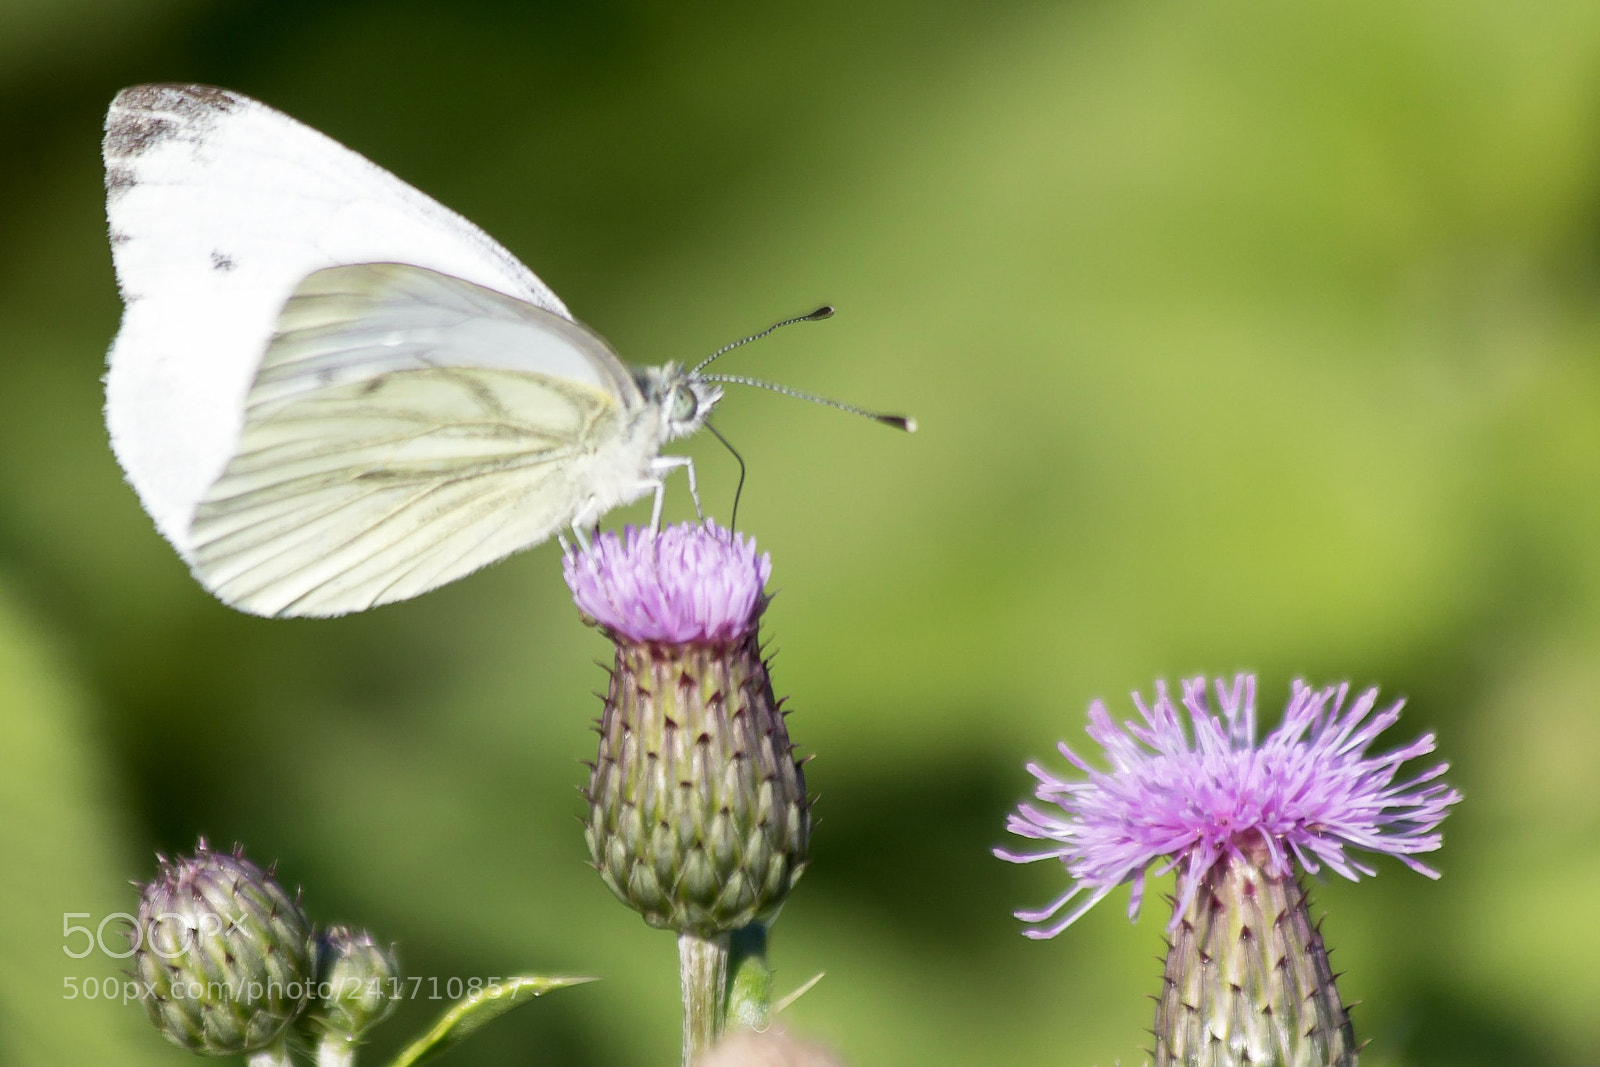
x=749, y=980
x=274, y=1055
x=703, y=974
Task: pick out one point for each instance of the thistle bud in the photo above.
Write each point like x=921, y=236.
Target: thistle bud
x=224, y=954
x=698, y=816
x=356, y=987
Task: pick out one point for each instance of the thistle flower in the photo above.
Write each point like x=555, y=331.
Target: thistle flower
x=1247, y=977
x=223, y=953
x=698, y=812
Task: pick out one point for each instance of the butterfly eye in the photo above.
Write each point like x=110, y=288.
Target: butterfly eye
x=684, y=404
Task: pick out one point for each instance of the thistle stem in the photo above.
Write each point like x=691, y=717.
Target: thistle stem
x=749, y=980
x=703, y=974
x=274, y=1055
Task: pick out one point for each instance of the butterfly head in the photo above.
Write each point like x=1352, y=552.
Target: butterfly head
x=684, y=399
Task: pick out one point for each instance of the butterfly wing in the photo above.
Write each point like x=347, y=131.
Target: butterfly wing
x=406, y=428
x=218, y=207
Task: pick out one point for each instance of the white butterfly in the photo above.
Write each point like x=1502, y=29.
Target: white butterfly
x=331, y=392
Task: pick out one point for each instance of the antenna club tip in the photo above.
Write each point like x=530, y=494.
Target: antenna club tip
x=899, y=422
x=823, y=312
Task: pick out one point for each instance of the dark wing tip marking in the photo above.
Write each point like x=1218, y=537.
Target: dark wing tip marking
x=119, y=180
x=120, y=238
x=221, y=261
x=185, y=101
x=144, y=116
x=130, y=134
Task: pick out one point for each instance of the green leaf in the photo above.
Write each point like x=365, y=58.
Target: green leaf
x=749, y=980
x=477, y=1009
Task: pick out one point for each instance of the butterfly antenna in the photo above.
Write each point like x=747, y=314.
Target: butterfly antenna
x=733, y=520
x=899, y=422
x=823, y=312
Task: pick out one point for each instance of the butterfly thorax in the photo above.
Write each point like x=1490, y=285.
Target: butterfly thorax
x=683, y=400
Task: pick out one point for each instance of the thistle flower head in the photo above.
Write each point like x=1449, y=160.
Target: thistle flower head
x=1190, y=788
x=698, y=814
x=223, y=953
x=687, y=584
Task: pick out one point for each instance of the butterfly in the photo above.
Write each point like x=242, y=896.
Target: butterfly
x=331, y=392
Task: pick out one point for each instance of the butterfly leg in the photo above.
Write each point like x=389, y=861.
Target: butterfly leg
x=661, y=466
x=655, y=509
x=694, y=490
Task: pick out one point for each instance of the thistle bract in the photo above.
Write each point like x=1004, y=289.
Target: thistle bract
x=698, y=812
x=1247, y=978
x=224, y=954
x=356, y=988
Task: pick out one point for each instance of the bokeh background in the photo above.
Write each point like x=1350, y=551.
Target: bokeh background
x=1242, y=336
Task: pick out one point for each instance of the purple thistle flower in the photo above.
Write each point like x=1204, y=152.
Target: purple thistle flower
x=687, y=584
x=1201, y=791
x=698, y=814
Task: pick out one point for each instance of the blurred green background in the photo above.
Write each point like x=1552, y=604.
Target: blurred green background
x=1242, y=335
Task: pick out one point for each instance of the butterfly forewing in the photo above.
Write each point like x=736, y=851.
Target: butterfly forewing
x=404, y=429
x=219, y=206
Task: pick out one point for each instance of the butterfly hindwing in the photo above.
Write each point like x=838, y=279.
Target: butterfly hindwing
x=405, y=428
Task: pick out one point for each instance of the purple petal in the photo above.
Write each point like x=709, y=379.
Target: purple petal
x=687, y=584
x=1194, y=787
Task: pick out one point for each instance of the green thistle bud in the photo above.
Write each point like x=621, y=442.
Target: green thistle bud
x=356, y=987
x=698, y=816
x=224, y=954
